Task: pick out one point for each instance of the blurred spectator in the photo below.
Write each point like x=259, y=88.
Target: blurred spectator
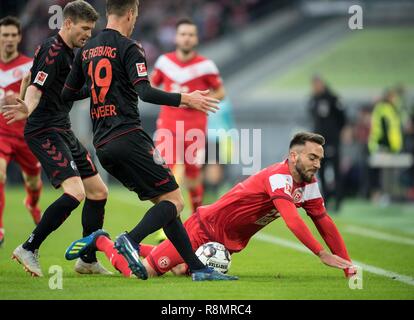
x=328, y=117
x=362, y=130
x=386, y=136
x=350, y=164
x=214, y=18
x=220, y=146
x=386, y=128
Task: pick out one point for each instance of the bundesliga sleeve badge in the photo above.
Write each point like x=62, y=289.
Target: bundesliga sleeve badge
x=41, y=78
x=142, y=69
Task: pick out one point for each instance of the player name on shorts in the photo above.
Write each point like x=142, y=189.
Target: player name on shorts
x=103, y=111
x=101, y=51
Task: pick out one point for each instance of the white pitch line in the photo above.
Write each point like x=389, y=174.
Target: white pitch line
x=369, y=233
x=365, y=267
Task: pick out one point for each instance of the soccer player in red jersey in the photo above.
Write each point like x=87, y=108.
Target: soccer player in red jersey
x=14, y=66
x=183, y=71
x=276, y=191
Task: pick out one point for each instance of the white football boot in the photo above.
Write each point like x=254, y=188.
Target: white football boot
x=29, y=260
x=90, y=268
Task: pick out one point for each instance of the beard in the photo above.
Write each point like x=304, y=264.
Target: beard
x=306, y=175
x=186, y=51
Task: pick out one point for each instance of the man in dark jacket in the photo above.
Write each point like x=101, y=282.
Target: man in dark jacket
x=328, y=117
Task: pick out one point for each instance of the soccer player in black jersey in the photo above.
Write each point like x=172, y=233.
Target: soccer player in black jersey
x=114, y=68
x=48, y=133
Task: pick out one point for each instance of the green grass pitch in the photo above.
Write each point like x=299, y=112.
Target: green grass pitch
x=266, y=270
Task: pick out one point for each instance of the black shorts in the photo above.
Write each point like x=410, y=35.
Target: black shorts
x=133, y=160
x=61, y=155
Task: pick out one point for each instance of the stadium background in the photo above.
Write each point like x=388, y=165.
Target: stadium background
x=267, y=52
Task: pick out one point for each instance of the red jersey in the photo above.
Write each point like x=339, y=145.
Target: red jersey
x=249, y=206
x=11, y=75
x=199, y=73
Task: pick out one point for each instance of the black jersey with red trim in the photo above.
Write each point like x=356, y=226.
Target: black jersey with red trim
x=110, y=64
x=51, y=66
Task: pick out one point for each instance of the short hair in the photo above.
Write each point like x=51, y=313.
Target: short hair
x=120, y=7
x=11, y=21
x=80, y=10
x=302, y=137
x=184, y=21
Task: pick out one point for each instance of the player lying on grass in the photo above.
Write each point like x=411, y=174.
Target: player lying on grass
x=276, y=191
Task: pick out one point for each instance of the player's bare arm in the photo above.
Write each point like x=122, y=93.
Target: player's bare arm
x=24, y=85
x=24, y=108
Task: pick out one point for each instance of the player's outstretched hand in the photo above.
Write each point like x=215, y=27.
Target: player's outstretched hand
x=15, y=112
x=200, y=100
x=333, y=260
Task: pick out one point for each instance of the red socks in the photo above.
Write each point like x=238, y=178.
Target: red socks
x=106, y=245
x=196, y=196
x=1, y=204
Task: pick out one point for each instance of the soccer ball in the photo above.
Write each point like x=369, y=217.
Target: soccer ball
x=215, y=255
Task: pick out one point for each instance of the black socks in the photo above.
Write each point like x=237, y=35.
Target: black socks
x=178, y=236
x=156, y=218
x=164, y=215
x=52, y=218
x=93, y=214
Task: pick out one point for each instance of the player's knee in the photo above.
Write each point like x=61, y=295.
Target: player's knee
x=179, y=204
x=3, y=177
x=151, y=272
x=32, y=182
x=80, y=195
x=180, y=270
x=95, y=188
x=74, y=188
x=101, y=192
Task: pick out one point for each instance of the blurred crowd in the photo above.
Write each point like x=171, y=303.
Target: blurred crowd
x=156, y=23
x=369, y=154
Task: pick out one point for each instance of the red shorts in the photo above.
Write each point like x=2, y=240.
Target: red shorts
x=16, y=149
x=164, y=257
x=182, y=144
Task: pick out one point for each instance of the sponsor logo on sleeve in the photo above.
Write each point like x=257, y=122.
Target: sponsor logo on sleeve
x=41, y=78
x=142, y=69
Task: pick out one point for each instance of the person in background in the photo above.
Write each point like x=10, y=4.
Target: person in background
x=386, y=134
x=220, y=143
x=328, y=119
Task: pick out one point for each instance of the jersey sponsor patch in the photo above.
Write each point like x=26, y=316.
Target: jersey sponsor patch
x=142, y=69
x=41, y=78
x=311, y=192
x=281, y=181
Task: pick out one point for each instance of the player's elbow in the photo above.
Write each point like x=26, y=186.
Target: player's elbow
x=294, y=225
x=66, y=95
x=143, y=93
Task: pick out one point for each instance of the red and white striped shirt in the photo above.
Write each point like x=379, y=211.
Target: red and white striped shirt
x=199, y=73
x=11, y=75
